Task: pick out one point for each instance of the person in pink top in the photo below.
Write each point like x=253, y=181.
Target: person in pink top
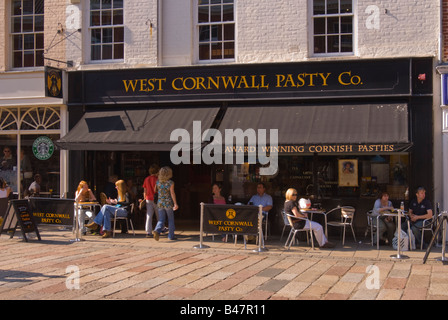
x=217, y=197
x=148, y=192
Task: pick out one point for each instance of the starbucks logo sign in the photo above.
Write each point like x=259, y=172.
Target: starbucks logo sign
x=43, y=148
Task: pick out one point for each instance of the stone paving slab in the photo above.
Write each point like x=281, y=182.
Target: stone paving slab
x=137, y=268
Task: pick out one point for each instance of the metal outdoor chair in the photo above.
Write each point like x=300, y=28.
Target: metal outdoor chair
x=292, y=233
x=286, y=224
x=128, y=219
x=347, y=215
x=370, y=226
x=429, y=224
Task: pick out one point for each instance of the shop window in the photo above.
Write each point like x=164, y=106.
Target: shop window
x=27, y=33
x=34, y=130
x=106, y=30
x=319, y=177
x=216, y=30
x=332, y=22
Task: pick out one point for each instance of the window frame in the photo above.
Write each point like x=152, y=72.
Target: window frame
x=353, y=33
x=12, y=34
x=89, y=45
x=197, y=41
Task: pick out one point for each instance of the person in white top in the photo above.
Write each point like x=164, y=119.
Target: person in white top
x=5, y=191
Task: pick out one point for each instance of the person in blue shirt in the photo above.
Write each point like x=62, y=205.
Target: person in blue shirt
x=262, y=198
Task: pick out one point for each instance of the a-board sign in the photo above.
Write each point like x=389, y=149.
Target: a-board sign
x=19, y=213
x=233, y=219
x=52, y=211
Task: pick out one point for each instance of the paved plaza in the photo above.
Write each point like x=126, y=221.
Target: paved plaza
x=128, y=267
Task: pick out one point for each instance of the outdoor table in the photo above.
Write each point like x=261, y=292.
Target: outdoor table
x=317, y=211
x=77, y=208
x=397, y=213
x=394, y=214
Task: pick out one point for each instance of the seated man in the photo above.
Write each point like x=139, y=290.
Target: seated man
x=419, y=210
x=263, y=199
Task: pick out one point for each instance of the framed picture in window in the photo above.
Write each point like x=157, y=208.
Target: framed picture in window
x=348, y=173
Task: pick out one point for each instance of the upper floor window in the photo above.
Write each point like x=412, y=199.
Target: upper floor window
x=106, y=30
x=216, y=29
x=332, y=26
x=27, y=32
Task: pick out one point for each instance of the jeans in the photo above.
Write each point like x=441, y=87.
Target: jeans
x=416, y=230
x=107, y=212
x=163, y=214
x=150, y=209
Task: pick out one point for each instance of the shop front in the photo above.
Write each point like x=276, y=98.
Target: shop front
x=30, y=123
x=347, y=130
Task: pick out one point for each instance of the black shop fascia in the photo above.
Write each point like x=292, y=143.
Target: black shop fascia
x=376, y=113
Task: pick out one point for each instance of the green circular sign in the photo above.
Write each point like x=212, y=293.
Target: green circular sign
x=43, y=148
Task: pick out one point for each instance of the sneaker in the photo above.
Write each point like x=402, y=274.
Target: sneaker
x=156, y=235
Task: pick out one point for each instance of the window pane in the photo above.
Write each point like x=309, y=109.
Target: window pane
x=203, y=14
x=95, y=4
x=319, y=7
x=319, y=25
x=227, y=13
x=107, y=52
x=229, y=32
x=96, y=52
x=17, y=59
x=106, y=18
x=106, y=4
x=346, y=43
x=215, y=1
x=332, y=25
x=27, y=24
x=319, y=44
x=346, y=25
x=118, y=4
x=17, y=39
x=204, y=33
x=217, y=33
x=17, y=25
x=216, y=51
x=203, y=2
x=27, y=7
x=39, y=23
x=332, y=6
x=204, y=52
x=39, y=41
x=16, y=8
x=28, y=43
x=333, y=44
x=118, y=17
x=346, y=6
x=118, y=51
x=39, y=7
x=107, y=35
x=229, y=50
x=39, y=58
x=215, y=13
x=118, y=34
x=227, y=1
x=95, y=36
x=95, y=18
x=28, y=58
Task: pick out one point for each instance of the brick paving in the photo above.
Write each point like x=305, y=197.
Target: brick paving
x=128, y=267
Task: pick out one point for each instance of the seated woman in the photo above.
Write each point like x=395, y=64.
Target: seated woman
x=386, y=225
x=107, y=212
x=84, y=194
x=291, y=208
x=217, y=198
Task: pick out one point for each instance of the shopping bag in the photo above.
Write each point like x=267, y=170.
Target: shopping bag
x=404, y=241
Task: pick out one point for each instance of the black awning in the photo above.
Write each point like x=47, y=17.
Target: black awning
x=134, y=130
x=326, y=125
